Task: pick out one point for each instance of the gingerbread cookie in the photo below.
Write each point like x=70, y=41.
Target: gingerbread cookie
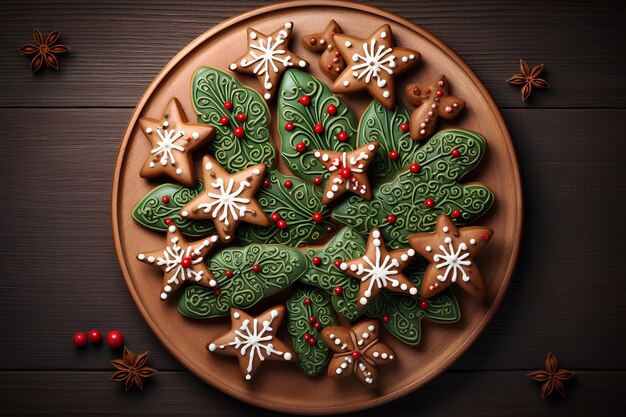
x=348, y=171
x=450, y=252
x=372, y=64
x=268, y=57
x=358, y=351
x=379, y=268
x=228, y=199
x=173, y=139
x=181, y=261
x=433, y=101
x=253, y=340
x=331, y=61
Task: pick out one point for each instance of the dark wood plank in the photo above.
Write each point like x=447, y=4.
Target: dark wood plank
x=178, y=393
x=119, y=46
x=60, y=274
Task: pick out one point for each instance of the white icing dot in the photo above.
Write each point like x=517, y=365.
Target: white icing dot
x=405, y=59
x=267, y=96
x=371, y=147
x=366, y=335
x=208, y=166
x=338, y=370
x=446, y=229
x=337, y=342
x=404, y=257
x=447, y=240
x=179, y=171
x=377, y=242
x=330, y=194
x=428, y=249
x=344, y=365
x=371, y=328
x=166, y=123
x=214, y=238
x=227, y=237
x=386, y=94
x=185, y=213
x=288, y=356
x=353, y=267
x=151, y=164
x=343, y=266
x=233, y=66
x=411, y=56
x=383, y=35
x=473, y=241
x=195, y=135
x=212, y=283
x=212, y=347
x=167, y=288
x=390, y=356
x=348, y=44
x=149, y=130
x=141, y=256
x=171, y=229
x=363, y=301
x=163, y=296
x=335, y=188
x=274, y=314
x=410, y=252
x=236, y=314
x=248, y=377
x=376, y=234
x=302, y=63
x=317, y=154
x=375, y=354
x=256, y=171
x=413, y=291
x=384, y=355
x=253, y=35
x=346, y=83
x=150, y=259
x=288, y=25
x=404, y=287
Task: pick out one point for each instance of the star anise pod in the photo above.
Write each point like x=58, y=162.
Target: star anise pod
x=528, y=79
x=44, y=51
x=132, y=369
x=551, y=377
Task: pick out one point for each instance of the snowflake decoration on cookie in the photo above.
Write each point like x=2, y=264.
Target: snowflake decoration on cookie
x=268, y=57
x=376, y=58
x=167, y=144
x=253, y=338
x=380, y=268
x=181, y=261
x=228, y=200
x=360, y=358
x=453, y=249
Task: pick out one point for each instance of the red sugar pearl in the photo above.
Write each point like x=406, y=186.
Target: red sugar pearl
x=317, y=260
x=317, y=217
x=224, y=120
x=329, y=66
x=345, y=173
x=342, y=136
x=266, y=183
x=218, y=291
x=238, y=132
x=424, y=304
x=394, y=155
x=404, y=127
x=337, y=262
x=312, y=319
x=241, y=117
x=356, y=355
x=430, y=203
x=305, y=100
x=311, y=341
x=485, y=236
x=185, y=262
x=332, y=109
x=386, y=318
x=300, y=147
x=455, y=153
x=94, y=336
x=289, y=126
x=317, y=180
x=306, y=336
x=281, y=224
x=312, y=41
x=80, y=339
x=414, y=168
x=288, y=183
x=115, y=339
x=168, y=221
x=456, y=213
x=165, y=199
x=318, y=128
x=256, y=268
x=307, y=301
x=391, y=219
x=228, y=105
x=275, y=217
x=228, y=273
x=439, y=93
x=338, y=290
x=317, y=325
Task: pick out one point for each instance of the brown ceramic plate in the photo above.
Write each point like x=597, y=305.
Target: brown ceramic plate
x=281, y=386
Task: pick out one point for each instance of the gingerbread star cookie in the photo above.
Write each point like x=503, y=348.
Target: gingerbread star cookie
x=372, y=64
x=348, y=171
x=268, y=57
x=227, y=199
x=380, y=268
x=331, y=61
x=433, y=101
x=181, y=261
x=450, y=252
x=357, y=351
x=172, y=140
x=253, y=340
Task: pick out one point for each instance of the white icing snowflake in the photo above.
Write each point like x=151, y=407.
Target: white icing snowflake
x=453, y=260
x=228, y=201
x=166, y=145
x=376, y=58
x=172, y=258
x=269, y=53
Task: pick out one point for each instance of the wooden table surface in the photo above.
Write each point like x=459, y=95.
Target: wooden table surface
x=62, y=131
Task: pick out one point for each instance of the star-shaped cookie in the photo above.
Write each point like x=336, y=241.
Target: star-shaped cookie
x=348, y=171
x=253, y=340
x=357, y=351
x=372, y=64
x=331, y=61
x=227, y=199
x=450, y=252
x=433, y=101
x=181, y=261
x=268, y=57
x=379, y=268
x=172, y=140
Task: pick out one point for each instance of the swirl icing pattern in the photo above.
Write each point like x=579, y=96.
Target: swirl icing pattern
x=244, y=276
x=211, y=90
x=306, y=302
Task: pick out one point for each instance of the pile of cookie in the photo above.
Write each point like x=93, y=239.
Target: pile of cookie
x=366, y=230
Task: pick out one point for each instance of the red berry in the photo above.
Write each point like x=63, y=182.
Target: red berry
x=345, y=173
x=337, y=262
x=80, y=339
x=391, y=219
x=281, y=224
x=306, y=336
x=185, y=262
x=228, y=105
x=311, y=341
x=94, y=336
x=485, y=236
x=317, y=180
x=312, y=319
x=241, y=117
x=455, y=153
x=115, y=339
x=338, y=290
x=424, y=304
x=224, y=120
x=168, y=221
x=430, y=203
x=305, y=100
x=238, y=132
x=256, y=268
x=289, y=126
x=386, y=318
x=317, y=260
x=394, y=155
x=266, y=183
x=404, y=127
x=165, y=199
x=300, y=147
x=275, y=217
x=312, y=41
x=342, y=136
x=307, y=301
x=288, y=183
x=331, y=109
x=317, y=325
x=318, y=128
x=456, y=213
x=356, y=355
x=439, y=93
x=218, y=291
x=228, y=273
x=414, y=168
x=317, y=217
x=329, y=66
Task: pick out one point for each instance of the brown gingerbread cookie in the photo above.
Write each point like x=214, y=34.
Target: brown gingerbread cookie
x=227, y=199
x=268, y=57
x=450, y=252
x=181, y=261
x=331, y=61
x=348, y=171
x=253, y=340
x=372, y=64
x=357, y=351
x=173, y=139
x=380, y=268
x=433, y=101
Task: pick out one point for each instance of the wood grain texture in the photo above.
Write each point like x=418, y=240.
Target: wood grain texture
x=118, y=47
